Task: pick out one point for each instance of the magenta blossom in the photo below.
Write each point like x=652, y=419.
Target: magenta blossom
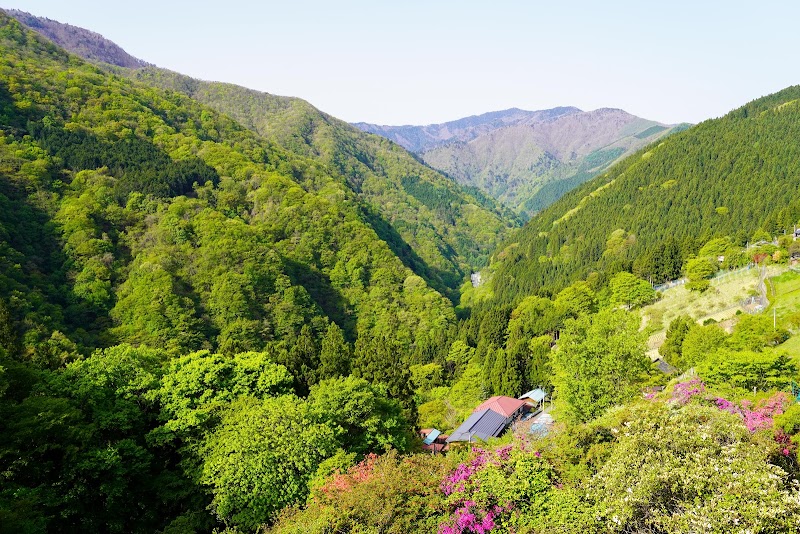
x=684, y=391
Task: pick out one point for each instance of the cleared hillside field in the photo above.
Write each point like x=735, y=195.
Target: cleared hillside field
x=720, y=302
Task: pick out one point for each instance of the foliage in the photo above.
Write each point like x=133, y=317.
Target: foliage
x=508, y=490
x=692, y=468
x=755, y=332
x=261, y=457
x=672, y=349
x=197, y=386
x=599, y=362
x=363, y=419
x=748, y=371
x=388, y=494
x=699, y=343
x=630, y=291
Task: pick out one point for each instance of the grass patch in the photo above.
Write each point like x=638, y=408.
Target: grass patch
x=719, y=302
x=783, y=293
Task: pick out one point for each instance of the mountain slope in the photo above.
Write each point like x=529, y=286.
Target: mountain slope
x=87, y=44
x=143, y=234
x=527, y=159
x=439, y=229
x=270, y=245
x=422, y=138
x=450, y=230
x=728, y=176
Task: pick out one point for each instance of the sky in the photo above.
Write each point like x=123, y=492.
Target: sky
x=424, y=62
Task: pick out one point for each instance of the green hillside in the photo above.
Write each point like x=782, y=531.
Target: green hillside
x=732, y=176
x=212, y=323
x=137, y=217
x=440, y=229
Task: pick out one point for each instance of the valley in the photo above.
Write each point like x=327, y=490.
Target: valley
x=527, y=159
x=223, y=310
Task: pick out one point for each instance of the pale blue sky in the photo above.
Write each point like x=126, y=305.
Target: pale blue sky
x=416, y=62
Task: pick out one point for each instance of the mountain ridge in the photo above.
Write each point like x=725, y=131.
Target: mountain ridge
x=85, y=43
x=527, y=159
x=464, y=129
x=706, y=182
x=439, y=228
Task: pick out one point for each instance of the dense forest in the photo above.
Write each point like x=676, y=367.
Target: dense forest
x=148, y=240
x=438, y=228
x=734, y=176
x=210, y=323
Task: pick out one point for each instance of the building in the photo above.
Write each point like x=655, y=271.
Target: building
x=483, y=424
x=489, y=420
x=534, y=398
x=508, y=407
x=433, y=440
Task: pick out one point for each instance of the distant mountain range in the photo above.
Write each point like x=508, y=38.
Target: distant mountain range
x=423, y=138
x=734, y=176
x=527, y=159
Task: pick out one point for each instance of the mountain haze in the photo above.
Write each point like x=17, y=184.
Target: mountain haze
x=527, y=159
x=421, y=138
x=85, y=43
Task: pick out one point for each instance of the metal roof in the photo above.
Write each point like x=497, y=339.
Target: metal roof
x=431, y=437
x=664, y=367
x=536, y=395
x=505, y=406
x=482, y=425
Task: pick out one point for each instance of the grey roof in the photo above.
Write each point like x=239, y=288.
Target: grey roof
x=664, y=367
x=431, y=437
x=536, y=395
x=482, y=425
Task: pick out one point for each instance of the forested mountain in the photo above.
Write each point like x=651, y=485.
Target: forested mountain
x=731, y=176
x=85, y=43
x=135, y=217
x=527, y=159
x=439, y=229
x=530, y=165
x=448, y=228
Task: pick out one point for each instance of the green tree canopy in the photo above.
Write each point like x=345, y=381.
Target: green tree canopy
x=629, y=291
x=599, y=362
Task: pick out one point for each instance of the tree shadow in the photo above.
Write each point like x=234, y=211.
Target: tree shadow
x=442, y=281
x=327, y=297
x=34, y=271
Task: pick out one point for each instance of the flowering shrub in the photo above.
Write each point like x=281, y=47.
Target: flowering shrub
x=684, y=391
x=496, y=491
x=758, y=417
x=690, y=469
x=754, y=418
x=358, y=473
x=387, y=493
x=456, y=481
x=470, y=518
